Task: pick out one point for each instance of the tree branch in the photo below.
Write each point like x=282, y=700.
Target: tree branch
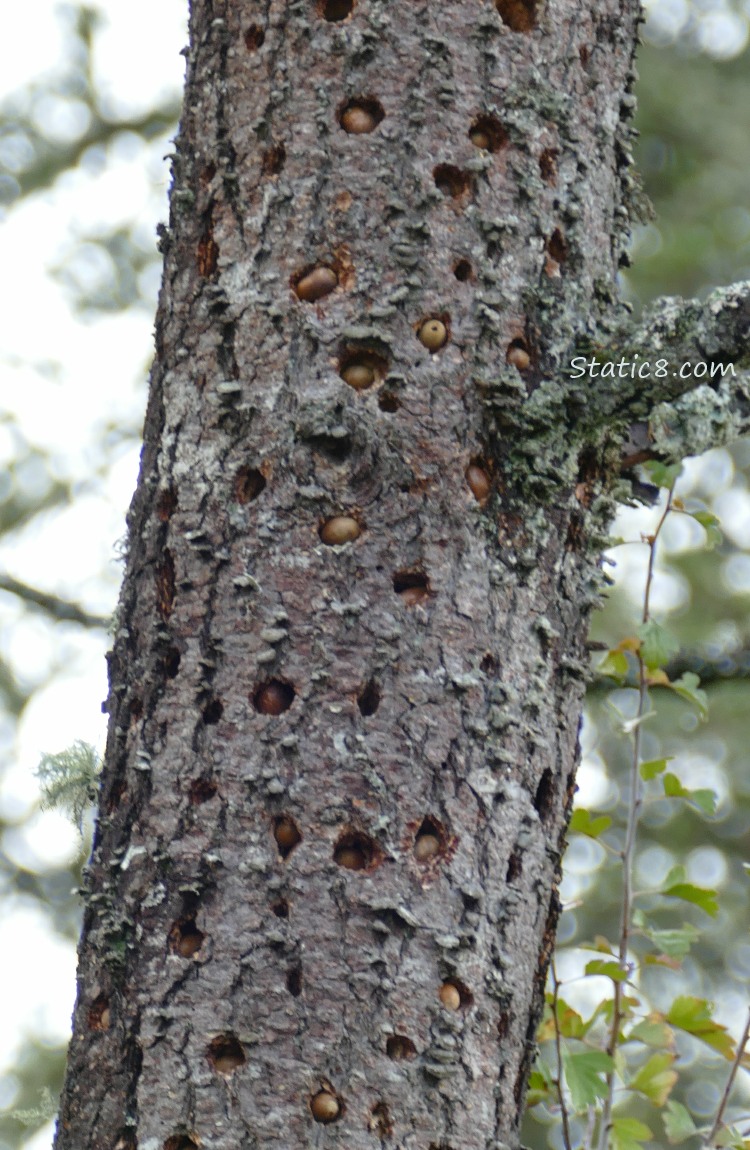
x=60, y=609
x=647, y=372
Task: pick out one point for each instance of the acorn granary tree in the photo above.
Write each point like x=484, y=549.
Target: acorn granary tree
x=351, y=645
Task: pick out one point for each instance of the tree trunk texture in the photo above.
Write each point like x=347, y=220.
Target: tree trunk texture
x=350, y=653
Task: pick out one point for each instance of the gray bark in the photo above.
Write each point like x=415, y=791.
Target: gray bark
x=270, y=938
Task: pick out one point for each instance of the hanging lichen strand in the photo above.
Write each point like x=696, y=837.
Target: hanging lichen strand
x=354, y=610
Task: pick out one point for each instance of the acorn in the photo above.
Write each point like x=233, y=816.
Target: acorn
x=479, y=138
x=358, y=120
x=449, y=996
x=350, y=857
x=433, y=334
x=316, y=283
x=478, y=481
x=286, y=834
x=273, y=698
x=104, y=1018
x=426, y=847
x=325, y=1106
x=411, y=596
x=340, y=529
x=360, y=376
x=189, y=943
x=518, y=357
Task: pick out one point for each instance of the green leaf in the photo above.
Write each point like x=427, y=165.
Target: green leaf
x=704, y=798
x=539, y=1089
x=658, y=645
x=584, y=1076
x=656, y=1078
x=676, y=943
x=678, y=1122
x=711, y=526
x=663, y=474
x=614, y=664
x=583, y=824
x=653, y=767
x=611, y=969
x=705, y=899
x=652, y=1031
x=693, y=1015
x=628, y=1134
x=687, y=687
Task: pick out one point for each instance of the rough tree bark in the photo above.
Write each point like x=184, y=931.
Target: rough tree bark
x=321, y=900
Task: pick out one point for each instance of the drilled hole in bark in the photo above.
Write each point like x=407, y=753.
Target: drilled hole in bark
x=463, y=270
x=548, y=165
x=208, y=253
x=208, y=174
x=335, y=10
x=314, y=282
x=184, y=938
x=212, y=712
x=503, y=1024
x=361, y=116
x=135, y=707
x=412, y=587
x=557, y=247
x=519, y=15
x=488, y=134
x=488, y=665
x=430, y=841
x=280, y=908
x=337, y=448
x=254, y=38
x=248, y=484
x=273, y=159
x=515, y=867
x=166, y=504
x=202, y=791
x=362, y=367
x=544, y=800
x=517, y=354
x=388, y=402
x=355, y=850
x=273, y=697
x=99, y=1016
x=287, y=834
x=181, y=1142
x=455, y=995
x=368, y=700
x=225, y=1053
x=400, y=1048
x=380, y=1122
x=451, y=181
x=325, y=1106
x=171, y=662
x=294, y=981
x=165, y=585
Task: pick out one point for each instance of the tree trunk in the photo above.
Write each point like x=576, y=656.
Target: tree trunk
x=350, y=652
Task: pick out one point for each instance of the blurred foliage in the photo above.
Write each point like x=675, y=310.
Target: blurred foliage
x=694, y=154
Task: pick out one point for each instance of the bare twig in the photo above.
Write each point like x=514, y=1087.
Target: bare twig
x=628, y=851
x=718, y=1120
x=558, y=1050
x=59, y=609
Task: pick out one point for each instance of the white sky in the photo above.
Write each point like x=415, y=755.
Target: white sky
x=66, y=380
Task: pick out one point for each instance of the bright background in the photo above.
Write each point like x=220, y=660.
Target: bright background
x=88, y=103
